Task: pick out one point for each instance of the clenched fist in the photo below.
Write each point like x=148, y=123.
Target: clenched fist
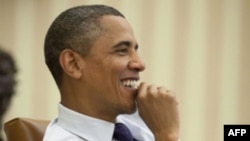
x=158, y=108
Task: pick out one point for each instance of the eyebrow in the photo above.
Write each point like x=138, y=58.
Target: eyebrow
x=125, y=43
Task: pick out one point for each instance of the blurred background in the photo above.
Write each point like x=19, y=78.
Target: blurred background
x=198, y=48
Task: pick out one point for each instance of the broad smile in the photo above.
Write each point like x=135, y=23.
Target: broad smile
x=130, y=83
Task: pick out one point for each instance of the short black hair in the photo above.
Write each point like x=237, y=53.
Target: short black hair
x=76, y=29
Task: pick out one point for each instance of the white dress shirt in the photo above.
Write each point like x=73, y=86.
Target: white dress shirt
x=73, y=126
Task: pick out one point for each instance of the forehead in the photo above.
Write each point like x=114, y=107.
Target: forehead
x=115, y=29
x=111, y=22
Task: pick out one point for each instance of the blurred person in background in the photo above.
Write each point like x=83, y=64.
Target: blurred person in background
x=7, y=82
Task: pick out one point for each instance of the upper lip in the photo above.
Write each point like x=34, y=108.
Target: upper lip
x=131, y=78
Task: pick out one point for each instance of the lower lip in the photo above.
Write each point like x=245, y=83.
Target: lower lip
x=133, y=90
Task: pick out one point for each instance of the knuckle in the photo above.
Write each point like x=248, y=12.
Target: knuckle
x=152, y=90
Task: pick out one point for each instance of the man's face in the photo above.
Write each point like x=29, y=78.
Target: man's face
x=112, y=68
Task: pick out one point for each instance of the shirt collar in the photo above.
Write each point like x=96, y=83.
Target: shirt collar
x=84, y=126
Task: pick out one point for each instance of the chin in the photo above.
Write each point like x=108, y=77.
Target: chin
x=131, y=109
x=132, y=112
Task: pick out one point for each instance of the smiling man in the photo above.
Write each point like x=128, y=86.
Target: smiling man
x=92, y=54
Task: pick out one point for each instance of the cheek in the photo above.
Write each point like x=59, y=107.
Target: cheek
x=119, y=65
x=108, y=70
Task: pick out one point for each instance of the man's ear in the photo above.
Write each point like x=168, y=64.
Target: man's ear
x=70, y=63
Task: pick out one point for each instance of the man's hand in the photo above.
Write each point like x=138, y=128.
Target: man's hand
x=158, y=108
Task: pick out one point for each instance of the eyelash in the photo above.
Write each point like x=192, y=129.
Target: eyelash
x=123, y=51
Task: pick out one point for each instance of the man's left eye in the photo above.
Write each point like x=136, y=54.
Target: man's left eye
x=123, y=51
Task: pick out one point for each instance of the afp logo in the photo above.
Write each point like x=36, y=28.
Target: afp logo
x=236, y=132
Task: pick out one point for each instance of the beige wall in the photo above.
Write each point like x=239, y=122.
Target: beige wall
x=198, y=48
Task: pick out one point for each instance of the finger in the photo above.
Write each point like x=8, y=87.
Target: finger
x=152, y=89
x=142, y=89
x=167, y=92
x=162, y=90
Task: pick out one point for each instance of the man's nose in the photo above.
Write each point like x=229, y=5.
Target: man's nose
x=136, y=63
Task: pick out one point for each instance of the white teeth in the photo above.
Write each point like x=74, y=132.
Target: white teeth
x=130, y=83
